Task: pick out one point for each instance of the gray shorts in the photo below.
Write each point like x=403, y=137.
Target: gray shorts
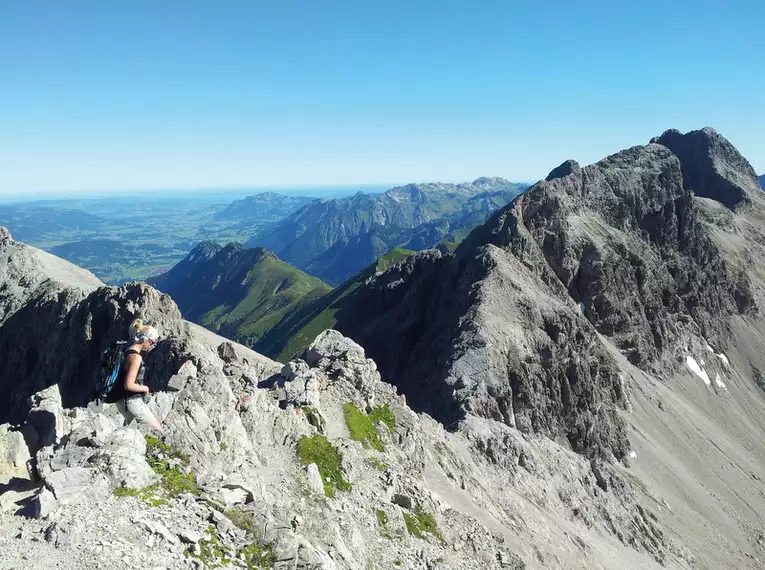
x=136, y=409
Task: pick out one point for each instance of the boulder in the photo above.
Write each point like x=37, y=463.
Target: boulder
x=315, y=481
x=14, y=452
x=122, y=460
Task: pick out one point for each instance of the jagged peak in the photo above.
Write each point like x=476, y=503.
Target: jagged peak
x=489, y=180
x=204, y=246
x=712, y=167
x=568, y=167
x=5, y=235
x=234, y=246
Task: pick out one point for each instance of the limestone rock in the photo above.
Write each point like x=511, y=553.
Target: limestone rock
x=122, y=459
x=14, y=452
x=712, y=167
x=314, y=478
x=44, y=503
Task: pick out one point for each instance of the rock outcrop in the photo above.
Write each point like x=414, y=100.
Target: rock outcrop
x=342, y=475
x=712, y=167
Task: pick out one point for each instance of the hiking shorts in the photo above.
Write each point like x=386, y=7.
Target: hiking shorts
x=136, y=408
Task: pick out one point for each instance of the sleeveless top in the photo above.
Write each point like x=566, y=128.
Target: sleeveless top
x=120, y=385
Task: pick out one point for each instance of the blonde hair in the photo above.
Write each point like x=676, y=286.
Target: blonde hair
x=140, y=331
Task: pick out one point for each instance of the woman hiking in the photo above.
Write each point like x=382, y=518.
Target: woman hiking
x=130, y=383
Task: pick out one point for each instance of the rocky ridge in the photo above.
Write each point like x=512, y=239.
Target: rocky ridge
x=245, y=477
x=511, y=326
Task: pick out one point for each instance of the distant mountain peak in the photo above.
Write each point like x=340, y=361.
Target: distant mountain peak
x=334, y=239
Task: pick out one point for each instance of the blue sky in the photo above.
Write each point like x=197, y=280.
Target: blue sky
x=106, y=95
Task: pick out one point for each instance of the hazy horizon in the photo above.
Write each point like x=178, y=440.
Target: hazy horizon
x=105, y=98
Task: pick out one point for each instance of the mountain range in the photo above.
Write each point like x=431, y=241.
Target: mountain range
x=238, y=292
x=335, y=239
x=577, y=384
x=262, y=207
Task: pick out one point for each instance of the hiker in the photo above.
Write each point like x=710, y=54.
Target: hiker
x=129, y=387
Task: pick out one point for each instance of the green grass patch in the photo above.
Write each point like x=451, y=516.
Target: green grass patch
x=421, y=523
x=363, y=427
x=175, y=476
x=382, y=524
x=377, y=464
x=385, y=415
x=172, y=467
x=394, y=256
x=255, y=556
x=328, y=459
x=223, y=446
x=211, y=553
x=240, y=517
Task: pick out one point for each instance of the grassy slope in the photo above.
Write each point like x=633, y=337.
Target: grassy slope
x=301, y=328
x=274, y=289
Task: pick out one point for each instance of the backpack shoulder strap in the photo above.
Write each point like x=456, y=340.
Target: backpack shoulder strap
x=132, y=351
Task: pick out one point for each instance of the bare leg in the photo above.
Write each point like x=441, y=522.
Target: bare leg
x=143, y=414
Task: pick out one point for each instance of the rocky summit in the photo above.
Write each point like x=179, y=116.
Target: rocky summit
x=578, y=385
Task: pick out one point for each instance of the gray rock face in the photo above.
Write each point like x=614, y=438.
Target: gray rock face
x=14, y=452
x=506, y=328
x=37, y=351
x=712, y=167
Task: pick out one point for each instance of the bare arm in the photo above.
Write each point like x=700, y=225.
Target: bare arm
x=133, y=365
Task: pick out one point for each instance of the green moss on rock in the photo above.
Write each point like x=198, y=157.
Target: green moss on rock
x=240, y=517
x=377, y=464
x=255, y=556
x=421, y=523
x=211, y=553
x=382, y=524
x=385, y=415
x=172, y=467
x=328, y=459
x=361, y=427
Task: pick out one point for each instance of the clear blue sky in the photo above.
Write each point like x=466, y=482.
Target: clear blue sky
x=136, y=94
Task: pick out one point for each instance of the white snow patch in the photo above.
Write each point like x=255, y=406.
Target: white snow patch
x=697, y=370
x=581, y=307
x=720, y=383
x=702, y=362
x=710, y=349
x=724, y=359
x=633, y=455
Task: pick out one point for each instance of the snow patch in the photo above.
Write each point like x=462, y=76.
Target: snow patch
x=702, y=362
x=710, y=349
x=581, y=307
x=633, y=455
x=720, y=383
x=724, y=359
x=697, y=370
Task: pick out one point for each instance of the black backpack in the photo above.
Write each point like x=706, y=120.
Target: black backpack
x=111, y=363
